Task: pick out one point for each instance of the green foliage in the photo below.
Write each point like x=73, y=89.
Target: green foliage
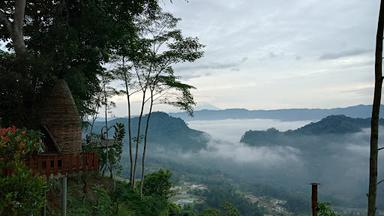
x=158, y=184
x=150, y=205
x=174, y=209
x=116, y=151
x=167, y=132
x=223, y=195
x=21, y=193
x=103, y=205
x=77, y=207
x=103, y=200
x=148, y=65
x=155, y=200
x=109, y=157
x=230, y=209
x=65, y=39
x=97, y=201
x=106, y=200
x=185, y=101
x=210, y=212
x=167, y=47
x=16, y=144
x=324, y=209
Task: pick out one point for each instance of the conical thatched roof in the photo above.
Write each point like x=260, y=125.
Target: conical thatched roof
x=61, y=118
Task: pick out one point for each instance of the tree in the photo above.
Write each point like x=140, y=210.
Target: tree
x=324, y=209
x=127, y=49
x=375, y=115
x=21, y=192
x=109, y=157
x=108, y=91
x=145, y=65
x=14, y=24
x=62, y=40
x=210, y=212
x=125, y=75
x=230, y=209
x=115, y=151
x=166, y=47
x=159, y=184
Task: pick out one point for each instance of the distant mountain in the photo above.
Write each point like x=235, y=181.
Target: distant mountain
x=206, y=106
x=165, y=132
x=335, y=125
x=358, y=111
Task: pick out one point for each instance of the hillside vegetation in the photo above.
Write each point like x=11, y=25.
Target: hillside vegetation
x=335, y=125
x=165, y=132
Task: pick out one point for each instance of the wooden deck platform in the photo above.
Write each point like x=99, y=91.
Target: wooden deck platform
x=51, y=165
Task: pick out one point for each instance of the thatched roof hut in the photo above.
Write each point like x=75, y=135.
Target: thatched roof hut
x=61, y=119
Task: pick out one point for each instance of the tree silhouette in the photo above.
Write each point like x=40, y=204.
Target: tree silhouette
x=375, y=115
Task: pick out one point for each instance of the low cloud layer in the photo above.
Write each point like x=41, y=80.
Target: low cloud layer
x=265, y=157
x=339, y=163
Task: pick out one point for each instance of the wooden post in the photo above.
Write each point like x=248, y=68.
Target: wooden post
x=44, y=208
x=77, y=163
x=64, y=196
x=55, y=165
x=47, y=166
x=314, y=198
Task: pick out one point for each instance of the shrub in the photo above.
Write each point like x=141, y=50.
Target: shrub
x=21, y=193
x=16, y=144
x=325, y=209
x=158, y=184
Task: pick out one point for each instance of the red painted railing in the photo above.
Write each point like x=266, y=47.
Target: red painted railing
x=54, y=164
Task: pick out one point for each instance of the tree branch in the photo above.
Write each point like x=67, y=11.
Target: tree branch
x=159, y=94
x=381, y=181
x=134, y=92
x=19, y=13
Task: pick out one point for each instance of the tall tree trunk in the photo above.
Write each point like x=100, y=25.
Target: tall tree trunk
x=93, y=123
x=126, y=82
x=106, y=125
x=18, y=35
x=138, y=138
x=105, y=111
x=18, y=42
x=145, y=145
x=376, y=114
x=15, y=28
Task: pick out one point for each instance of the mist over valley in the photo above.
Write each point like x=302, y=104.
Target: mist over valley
x=270, y=158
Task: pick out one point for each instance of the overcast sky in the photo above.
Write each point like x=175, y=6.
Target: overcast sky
x=269, y=54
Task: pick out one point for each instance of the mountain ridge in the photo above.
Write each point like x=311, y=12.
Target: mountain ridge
x=293, y=114
x=165, y=131
x=334, y=125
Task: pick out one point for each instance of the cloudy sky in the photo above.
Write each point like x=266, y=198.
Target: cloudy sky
x=268, y=54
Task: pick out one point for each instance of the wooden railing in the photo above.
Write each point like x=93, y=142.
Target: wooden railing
x=55, y=164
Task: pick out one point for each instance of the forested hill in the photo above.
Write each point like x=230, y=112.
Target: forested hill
x=165, y=132
x=335, y=125
x=358, y=111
